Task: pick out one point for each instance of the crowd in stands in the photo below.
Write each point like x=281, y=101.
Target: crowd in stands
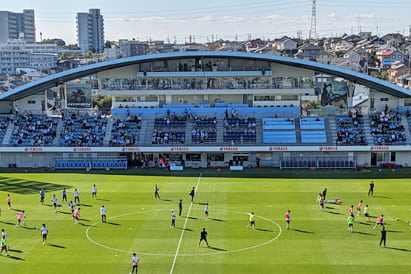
x=386, y=127
x=204, y=129
x=350, y=129
x=170, y=129
x=236, y=129
x=126, y=132
x=78, y=130
x=33, y=130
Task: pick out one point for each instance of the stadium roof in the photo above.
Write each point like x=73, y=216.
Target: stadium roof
x=59, y=78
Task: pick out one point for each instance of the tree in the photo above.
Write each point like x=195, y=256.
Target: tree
x=102, y=102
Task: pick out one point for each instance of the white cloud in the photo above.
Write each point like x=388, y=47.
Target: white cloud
x=154, y=19
x=205, y=19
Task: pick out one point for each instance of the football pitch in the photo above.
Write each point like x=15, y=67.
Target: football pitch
x=317, y=241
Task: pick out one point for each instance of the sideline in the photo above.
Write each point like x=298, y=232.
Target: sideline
x=184, y=227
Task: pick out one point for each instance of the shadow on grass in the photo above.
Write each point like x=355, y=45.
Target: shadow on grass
x=329, y=207
x=111, y=223
x=363, y=233
x=67, y=213
x=264, y=230
x=86, y=225
x=7, y=223
x=186, y=229
x=395, y=231
x=85, y=205
x=362, y=223
x=383, y=197
x=303, y=231
x=166, y=200
x=217, y=220
x=15, y=209
x=191, y=218
x=399, y=249
x=16, y=258
x=16, y=250
x=54, y=245
x=105, y=200
x=216, y=248
x=22, y=186
x=335, y=213
x=29, y=228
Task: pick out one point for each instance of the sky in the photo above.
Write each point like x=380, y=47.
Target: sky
x=218, y=19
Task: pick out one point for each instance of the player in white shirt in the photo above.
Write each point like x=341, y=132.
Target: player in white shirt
x=3, y=234
x=44, y=231
x=54, y=201
x=94, y=192
x=103, y=214
x=135, y=260
x=76, y=196
x=206, y=211
x=173, y=219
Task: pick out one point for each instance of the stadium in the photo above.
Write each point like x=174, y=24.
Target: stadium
x=206, y=109
x=244, y=142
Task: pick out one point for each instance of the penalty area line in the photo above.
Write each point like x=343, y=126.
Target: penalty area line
x=184, y=229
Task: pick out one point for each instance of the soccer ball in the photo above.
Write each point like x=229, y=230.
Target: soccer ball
x=397, y=219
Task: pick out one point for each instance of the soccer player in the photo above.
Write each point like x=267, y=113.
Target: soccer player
x=64, y=195
x=156, y=190
x=72, y=207
x=287, y=219
x=351, y=211
x=20, y=216
x=359, y=208
x=206, y=210
x=380, y=221
x=54, y=201
x=4, y=247
x=180, y=207
x=3, y=234
x=76, y=196
x=367, y=216
x=76, y=215
x=103, y=213
x=383, y=236
x=42, y=195
x=44, y=231
x=192, y=194
x=203, y=237
x=321, y=201
x=173, y=219
x=135, y=260
x=324, y=193
x=350, y=222
x=371, y=190
x=251, y=219
x=9, y=200
x=94, y=192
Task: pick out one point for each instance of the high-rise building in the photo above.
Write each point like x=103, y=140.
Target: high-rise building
x=17, y=25
x=90, y=30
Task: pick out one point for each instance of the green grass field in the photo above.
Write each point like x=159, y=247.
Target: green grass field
x=318, y=241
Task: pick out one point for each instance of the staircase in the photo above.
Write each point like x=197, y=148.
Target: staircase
x=407, y=133
x=8, y=134
x=58, y=132
x=147, y=125
x=367, y=130
x=331, y=129
x=109, y=127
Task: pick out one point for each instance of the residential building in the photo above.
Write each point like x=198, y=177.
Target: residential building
x=17, y=25
x=313, y=53
x=19, y=54
x=132, y=48
x=90, y=31
x=387, y=58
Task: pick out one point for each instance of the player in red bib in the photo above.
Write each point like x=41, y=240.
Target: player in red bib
x=380, y=221
x=287, y=219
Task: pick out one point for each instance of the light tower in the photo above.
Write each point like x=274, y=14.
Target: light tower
x=313, y=27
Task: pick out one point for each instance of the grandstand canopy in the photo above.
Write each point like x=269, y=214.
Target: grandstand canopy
x=62, y=77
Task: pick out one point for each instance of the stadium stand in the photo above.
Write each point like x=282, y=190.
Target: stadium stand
x=204, y=129
x=78, y=130
x=126, y=132
x=33, y=130
x=386, y=128
x=350, y=129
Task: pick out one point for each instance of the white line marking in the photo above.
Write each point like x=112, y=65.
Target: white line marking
x=184, y=228
x=184, y=255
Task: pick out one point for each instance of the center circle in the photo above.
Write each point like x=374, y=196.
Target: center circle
x=183, y=254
